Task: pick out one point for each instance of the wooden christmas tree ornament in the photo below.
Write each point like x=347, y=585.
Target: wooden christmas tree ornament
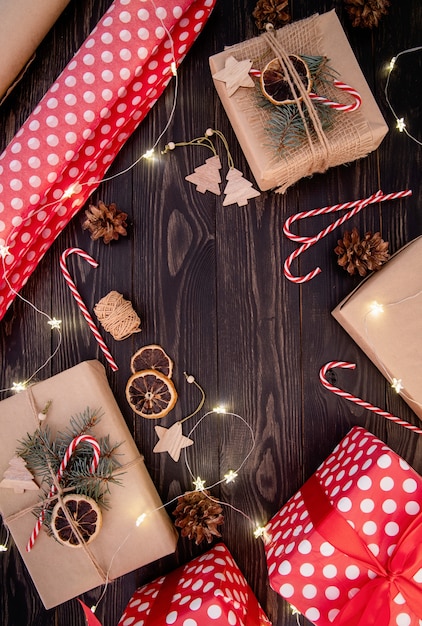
x=207, y=177
x=18, y=477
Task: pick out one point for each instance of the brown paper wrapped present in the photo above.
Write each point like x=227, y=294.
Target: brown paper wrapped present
x=80, y=569
x=23, y=25
x=351, y=136
x=383, y=316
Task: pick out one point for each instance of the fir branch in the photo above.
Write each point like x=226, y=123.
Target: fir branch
x=286, y=126
x=43, y=457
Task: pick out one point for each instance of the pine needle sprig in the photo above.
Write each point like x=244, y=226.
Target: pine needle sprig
x=43, y=456
x=40, y=454
x=286, y=126
x=320, y=69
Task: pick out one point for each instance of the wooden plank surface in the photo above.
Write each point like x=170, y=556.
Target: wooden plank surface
x=208, y=284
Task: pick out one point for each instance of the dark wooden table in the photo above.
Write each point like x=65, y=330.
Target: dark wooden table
x=208, y=283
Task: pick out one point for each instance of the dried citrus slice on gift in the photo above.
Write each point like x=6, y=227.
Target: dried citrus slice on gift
x=274, y=84
x=86, y=516
x=152, y=357
x=151, y=394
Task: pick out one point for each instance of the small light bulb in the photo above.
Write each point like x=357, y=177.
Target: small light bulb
x=94, y=608
x=259, y=532
x=173, y=68
x=148, y=154
x=400, y=125
x=219, y=409
x=376, y=308
x=189, y=378
x=55, y=323
x=397, y=385
x=295, y=611
x=140, y=519
x=230, y=476
x=392, y=64
x=4, y=251
x=3, y=548
x=199, y=484
x=18, y=387
x=70, y=191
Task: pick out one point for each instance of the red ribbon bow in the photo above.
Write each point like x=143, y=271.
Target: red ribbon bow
x=372, y=604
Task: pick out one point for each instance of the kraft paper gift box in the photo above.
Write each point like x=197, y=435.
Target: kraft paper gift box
x=352, y=136
x=70, y=393
x=391, y=337
x=23, y=25
x=347, y=548
x=208, y=590
x=60, y=155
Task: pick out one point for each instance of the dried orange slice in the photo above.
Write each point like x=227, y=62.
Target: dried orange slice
x=86, y=515
x=151, y=394
x=152, y=357
x=274, y=85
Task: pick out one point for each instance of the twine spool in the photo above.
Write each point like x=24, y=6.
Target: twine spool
x=117, y=316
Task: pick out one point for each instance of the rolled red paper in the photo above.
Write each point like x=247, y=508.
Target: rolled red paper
x=63, y=150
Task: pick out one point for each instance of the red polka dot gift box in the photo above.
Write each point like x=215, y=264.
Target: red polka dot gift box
x=208, y=590
x=61, y=153
x=346, y=550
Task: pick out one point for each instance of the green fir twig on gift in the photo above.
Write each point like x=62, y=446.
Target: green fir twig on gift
x=43, y=456
x=286, y=126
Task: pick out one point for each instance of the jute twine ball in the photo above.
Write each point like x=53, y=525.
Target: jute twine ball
x=117, y=316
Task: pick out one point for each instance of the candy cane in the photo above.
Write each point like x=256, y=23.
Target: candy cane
x=307, y=242
x=346, y=108
x=348, y=396
x=53, y=489
x=81, y=303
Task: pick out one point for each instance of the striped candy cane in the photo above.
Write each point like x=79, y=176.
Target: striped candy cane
x=346, y=108
x=348, y=396
x=307, y=242
x=53, y=489
x=81, y=303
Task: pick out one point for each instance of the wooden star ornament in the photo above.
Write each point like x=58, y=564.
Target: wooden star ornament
x=171, y=440
x=235, y=74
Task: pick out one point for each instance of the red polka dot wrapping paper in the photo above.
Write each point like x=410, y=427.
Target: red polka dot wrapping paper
x=380, y=496
x=208, y=590
x=74, y=134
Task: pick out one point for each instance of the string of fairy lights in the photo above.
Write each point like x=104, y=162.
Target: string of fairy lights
x=401, y=122
x=55, y=324
x=149, y=154
x=375, y=310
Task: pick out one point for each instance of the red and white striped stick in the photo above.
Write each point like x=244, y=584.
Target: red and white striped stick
x=81, y=303
x=354, y=206
x=348, y=396
x=346, y=108
x=53, y=489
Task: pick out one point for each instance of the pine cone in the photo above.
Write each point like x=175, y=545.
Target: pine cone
x=366, y=13
x=361, y=255
x=275, y=12
x=198, y=516
x=105, y=221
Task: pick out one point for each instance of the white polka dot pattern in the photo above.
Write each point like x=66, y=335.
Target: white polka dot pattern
x=378, y=494
x=73, y=135
x=210, y=590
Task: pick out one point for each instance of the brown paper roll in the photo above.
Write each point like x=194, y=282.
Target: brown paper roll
x=23, y=25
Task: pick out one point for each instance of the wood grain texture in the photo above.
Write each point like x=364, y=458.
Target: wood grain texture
x=207, y=282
